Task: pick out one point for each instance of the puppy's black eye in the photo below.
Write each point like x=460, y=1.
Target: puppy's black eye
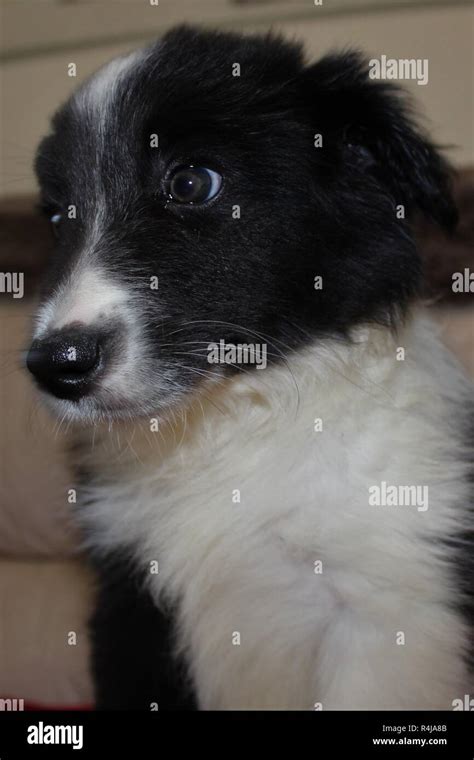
x=56, y=220
x=362, y=156
x=193, y=184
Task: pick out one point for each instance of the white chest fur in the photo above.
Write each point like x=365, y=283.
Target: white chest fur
x=293, y=589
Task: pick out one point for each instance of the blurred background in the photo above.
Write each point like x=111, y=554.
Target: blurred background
x=45, y=589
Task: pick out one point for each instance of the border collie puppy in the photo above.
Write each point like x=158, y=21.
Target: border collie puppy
x=271, y=446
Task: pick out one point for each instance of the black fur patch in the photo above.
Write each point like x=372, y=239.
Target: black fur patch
x=133, y=662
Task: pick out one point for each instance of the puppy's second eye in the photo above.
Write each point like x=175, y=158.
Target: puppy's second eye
x=193, y=184
x=56, y=220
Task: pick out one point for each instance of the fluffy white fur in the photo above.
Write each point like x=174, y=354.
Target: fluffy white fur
x=86, y=297
x=248, y=567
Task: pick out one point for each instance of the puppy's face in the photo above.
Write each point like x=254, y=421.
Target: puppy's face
x=211, y=189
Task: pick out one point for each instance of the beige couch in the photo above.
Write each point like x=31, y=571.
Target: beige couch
x=45, y=589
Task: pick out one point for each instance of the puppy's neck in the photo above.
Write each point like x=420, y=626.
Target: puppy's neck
x=304, y=384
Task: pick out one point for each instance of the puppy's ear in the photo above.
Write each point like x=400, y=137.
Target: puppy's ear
x=372, y=122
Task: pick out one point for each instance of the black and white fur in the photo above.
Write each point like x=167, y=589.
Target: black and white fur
x=228, y=567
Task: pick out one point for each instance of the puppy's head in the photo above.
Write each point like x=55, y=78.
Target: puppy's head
x=214, y=190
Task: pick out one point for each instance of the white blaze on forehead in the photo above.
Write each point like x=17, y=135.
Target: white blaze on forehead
x=88, y=296
x=95, y=99
x=99, y=90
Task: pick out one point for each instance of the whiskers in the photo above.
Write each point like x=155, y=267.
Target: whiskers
x=275, y=344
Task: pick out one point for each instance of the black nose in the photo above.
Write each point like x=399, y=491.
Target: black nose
x=65, y=363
